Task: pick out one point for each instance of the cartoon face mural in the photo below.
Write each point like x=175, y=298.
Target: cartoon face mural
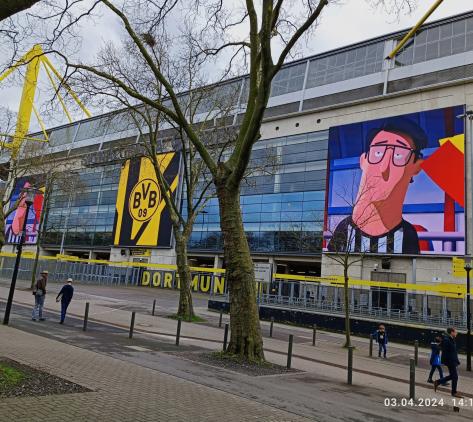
x=396, y=185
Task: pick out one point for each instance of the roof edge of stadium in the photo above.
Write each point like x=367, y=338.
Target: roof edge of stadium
x=343, y=49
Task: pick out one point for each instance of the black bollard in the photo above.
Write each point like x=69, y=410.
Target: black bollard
x=220, y=319
x=350, y=366
x=371, y=345
x=289, y=351
x=225, y=338
x=271, y=327
x=412, y=379
x=154, y=307
x=314, y=334
x=416, y=352
x=132, y=325
x=178, y=333
x=86, y=316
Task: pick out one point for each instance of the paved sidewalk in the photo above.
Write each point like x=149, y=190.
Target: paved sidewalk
x=328, y=349
x=324, y=379
x=122, y=391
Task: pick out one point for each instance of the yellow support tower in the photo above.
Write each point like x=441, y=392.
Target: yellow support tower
x=33, y=60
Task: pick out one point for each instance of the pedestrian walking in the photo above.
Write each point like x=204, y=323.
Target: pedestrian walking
x=435, y=361
x=450, y=360
x=381, y=337
x=39, y=292
x=65, y=295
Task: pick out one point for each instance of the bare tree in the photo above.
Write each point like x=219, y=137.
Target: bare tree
x=159, y=134
x=271, y=32
x=344, y=247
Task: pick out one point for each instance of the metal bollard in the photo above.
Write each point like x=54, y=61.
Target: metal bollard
x=289, y=351
x=314, y=334
x=225, y=338
x=350, y=366
x=178, y=332
x=271, y=327
x=86, y=316
x=220, y=319
x=132, y=325
x=371, y=345
x=412, y=379
x=416, y=352
x=154, y=307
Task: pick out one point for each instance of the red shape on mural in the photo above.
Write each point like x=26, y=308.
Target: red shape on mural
x=446, y=168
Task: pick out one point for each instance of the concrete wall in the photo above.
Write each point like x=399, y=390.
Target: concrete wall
x=158, y=256
x=417, y=270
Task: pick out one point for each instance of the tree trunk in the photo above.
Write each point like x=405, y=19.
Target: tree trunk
x=2, y=226
x=245, y=332
x=347, y=308
x=185, y=309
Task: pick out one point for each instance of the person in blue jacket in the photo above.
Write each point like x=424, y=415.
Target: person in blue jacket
x=435, y=362
x=381, y=337
x=65, y=294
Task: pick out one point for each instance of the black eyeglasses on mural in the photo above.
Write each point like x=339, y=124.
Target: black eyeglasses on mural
x=400, y=157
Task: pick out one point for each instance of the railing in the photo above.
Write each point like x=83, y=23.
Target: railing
x=429, y=307
x=384, y=314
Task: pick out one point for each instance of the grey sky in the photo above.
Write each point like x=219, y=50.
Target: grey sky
x=341, y=25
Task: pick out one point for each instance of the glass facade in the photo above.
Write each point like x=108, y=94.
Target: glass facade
x=282, y=202
x=350, y=64
x=288, y=79
x=439, y=41
x=84, y=217
x=283, y=210
x=283, y=205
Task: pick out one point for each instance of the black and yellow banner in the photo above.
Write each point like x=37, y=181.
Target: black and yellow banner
x=141, y=216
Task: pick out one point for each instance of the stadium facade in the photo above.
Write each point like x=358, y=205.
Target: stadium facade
x=319, y=125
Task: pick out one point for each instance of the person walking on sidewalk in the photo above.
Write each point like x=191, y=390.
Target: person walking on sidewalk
x=65, y=294
x=381, y=338
x=435, y=362
x=39, y=292
x=450, y=360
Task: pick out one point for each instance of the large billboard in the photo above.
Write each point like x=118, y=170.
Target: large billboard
x=14, y=222
x=396, y=185
x=141, y=216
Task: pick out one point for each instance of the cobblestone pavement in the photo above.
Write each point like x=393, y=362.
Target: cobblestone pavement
x=318, y=393
x=122, y=391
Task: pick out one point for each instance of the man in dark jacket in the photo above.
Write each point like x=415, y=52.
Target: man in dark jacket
x=65, y=294
x=39, y=292
x=450, y=360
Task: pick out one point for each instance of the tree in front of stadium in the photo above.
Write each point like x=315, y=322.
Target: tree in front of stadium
x=160, y=135
x=209, y=25
x=253, y=38
x=346, y=246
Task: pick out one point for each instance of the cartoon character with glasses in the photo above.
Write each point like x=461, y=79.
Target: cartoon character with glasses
x=391, y=159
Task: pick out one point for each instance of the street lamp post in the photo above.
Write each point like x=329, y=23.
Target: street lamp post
x=29, y=197
x=468, y=315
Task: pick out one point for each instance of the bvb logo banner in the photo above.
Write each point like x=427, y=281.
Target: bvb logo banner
x=141, y=216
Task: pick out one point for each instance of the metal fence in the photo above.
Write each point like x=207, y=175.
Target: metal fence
x=397, y=305
x=79, y=271
x=374, y=303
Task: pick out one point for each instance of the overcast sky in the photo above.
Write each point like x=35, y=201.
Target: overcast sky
x=351, y=22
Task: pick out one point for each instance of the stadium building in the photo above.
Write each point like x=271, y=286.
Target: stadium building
x=339, y=122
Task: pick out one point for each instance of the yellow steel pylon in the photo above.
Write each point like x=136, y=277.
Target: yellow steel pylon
x=33, y=60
